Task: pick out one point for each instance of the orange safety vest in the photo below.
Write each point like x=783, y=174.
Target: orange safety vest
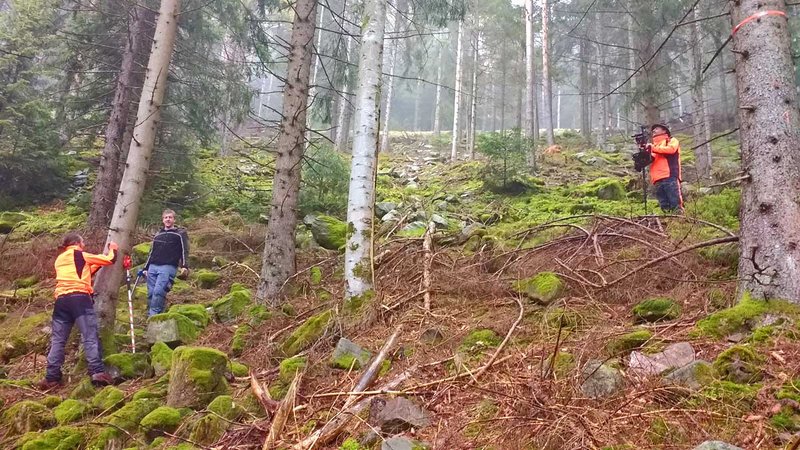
x=74, y=270
x=666, y=158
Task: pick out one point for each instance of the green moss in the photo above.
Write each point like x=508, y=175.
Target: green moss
x=563, y=365
x=129, y=365
x=286, y=373
x=628, y=342
x=206, y=279
x=59, y=438
x=26, y=282
x=307, y=334
x=790, y=390
x=602, y=188
x=786, y=420
x=240, y=340
x=329, y=232
x=226, y=407
x=25, y=416
x=70, y=410
x=104, y=438
x=656, y=309
x=10, y=220
x=386, y=366
x=197, y=376
x=543, y=288
x=233, y=304
x=351, y=444
x=731, y=320
x=108, y=398
x=153, y=391
x=355, y=303
x=161, y=358
x=258, y=314
x=51, y=401
x=726, y=394
x=739, y=364
x=140, y=252
x=479, y=340
x=30, y=334
x=195, y=313
x=129, y=416
x=315, y=275
x=251, y=404
x=171, y=327
x=208, y=430
x=163, y=419
x=84, y=390
x=563, y=318
x=238, y=369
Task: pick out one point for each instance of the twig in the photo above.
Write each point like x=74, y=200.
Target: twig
x=267, y=403
x=457, y=376
x=735, y=180
x=502, y=344
x=282, y=414
x=426, y=267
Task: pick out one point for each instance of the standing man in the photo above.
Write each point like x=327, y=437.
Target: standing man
x=665, y=171
x=169, y=252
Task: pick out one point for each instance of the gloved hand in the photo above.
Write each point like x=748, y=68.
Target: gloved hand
x=183, y=273
x=141, y=273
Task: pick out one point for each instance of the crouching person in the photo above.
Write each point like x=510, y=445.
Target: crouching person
x=74, y=306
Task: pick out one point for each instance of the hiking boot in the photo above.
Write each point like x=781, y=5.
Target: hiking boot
x=102, y=379
x=46, y=385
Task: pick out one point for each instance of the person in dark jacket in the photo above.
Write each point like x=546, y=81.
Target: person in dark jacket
x=665, y=170
x=170, y=251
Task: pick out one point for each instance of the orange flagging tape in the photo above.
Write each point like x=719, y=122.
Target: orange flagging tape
x=758, y=15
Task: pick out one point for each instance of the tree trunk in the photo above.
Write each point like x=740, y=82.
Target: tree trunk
x=546, y=78
x=345, y=108
x=437, y=103
x=702, y=131
x=473, y=109
x=558, y=109
x=417, y=102
x=399, y=25
x=586, y=121
x=107, y=184
x=531, y=128
x=724, y=94
x=633, y=103
x=769, y=262
x=279, y=247
x=459, y=88
x=126, y=209
x=358, y=270
x=503, y=86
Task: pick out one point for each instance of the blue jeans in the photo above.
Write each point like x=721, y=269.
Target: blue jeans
x=74, y=309
x=668, y=193
x=159, y=282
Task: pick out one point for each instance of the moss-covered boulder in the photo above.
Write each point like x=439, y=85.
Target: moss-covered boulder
x=566, y=318
x=26, y=282
x=128, y=417
x=19, y=337
x=232, y=305
x=258, y=314
x=737, y=318
x=10, y=220
x=70, y=410
x=206, y=279
x=196, y=313
x=348, y=355
x=160, y=358
x=603, y=188
x=656, y=310
x=240, y=340
x=163, y=419
x=563, y=364
x=307, y=334
x=329, y=232
x=286, y=372
x=84, y=390
x=478, y=341
x=543, y=288
x=154, y=391
x=25, y=416
x=140, y=253
x=225, y=406
x=238, y=369
x=59, y=438
x=51, y=401
x=691, y=376
x=197, y=377
x=739, y=364
x=109, y=398
x=172, y=329
x=128, y=366
x=628, y=342
x=208, y=429
x=601, y=380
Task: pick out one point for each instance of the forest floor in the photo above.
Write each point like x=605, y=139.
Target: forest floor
x=534, y=338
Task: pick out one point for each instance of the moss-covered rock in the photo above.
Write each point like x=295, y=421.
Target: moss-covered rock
x=109, y=398
x=105, y=438
x=26, y=282
x=478, y=341
x=128, y=417
x=628, y=342
x=790, y=390
x=603, y=188
x=736, y=318
x=258, y=314
x=348, y=355
x=25, y=416
x=160, y=358
x=787, y=419
x=656, y=309
x=206, y=279
x=30, y=334
x=171, y=328
x=240, y=340
x=128, y=366
x=739, y=364
x=286, y=372
x=543, y=288
x=329, y=232
x=163, y=419
x=307, y=334
x=59, y=438
x=197, y=376
x=556, y=318
x=196, y=313
x=315, y=276
x=232, y=305
x=208, y=430
x=226, y=407
x=238, y=369
x=9, y=220
x=563, y=364
x=84, y=390
x=691, y=376
x=140, y=253
x=70, y=410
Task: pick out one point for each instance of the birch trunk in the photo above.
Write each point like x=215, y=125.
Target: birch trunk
x=769, y=261
x=546, y=78
x=278, y=261
x=417, y=101
x=459, y=87
x=126, y=209
x=473, y=109
x=531, y=128
x=107, y=184
x=437, y=103
x=586, y=122
x=358, y=270
x=702, y=131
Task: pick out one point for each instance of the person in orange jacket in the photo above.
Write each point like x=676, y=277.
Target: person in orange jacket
x=665, y=170
x=74, y=306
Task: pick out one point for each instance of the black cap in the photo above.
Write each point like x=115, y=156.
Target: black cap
x=660, y=125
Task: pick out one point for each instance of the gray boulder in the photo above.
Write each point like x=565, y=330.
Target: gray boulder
x=600, y=380
x=692, y=376
x=348, y=354
x=383, y=208
x=674, y=356
x=398, y=415
x=401, y=443
x=716, y=445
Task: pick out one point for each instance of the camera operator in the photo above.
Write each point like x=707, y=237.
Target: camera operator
x=665, y=170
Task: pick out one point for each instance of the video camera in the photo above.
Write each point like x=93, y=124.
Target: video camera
x=642, y=158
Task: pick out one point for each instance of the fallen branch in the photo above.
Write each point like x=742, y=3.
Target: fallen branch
x=426, y=267
x=502, y=344
x=282, y=414
x=263, y=397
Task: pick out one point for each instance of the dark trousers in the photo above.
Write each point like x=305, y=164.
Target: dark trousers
x=74, y=309
x=668, y=194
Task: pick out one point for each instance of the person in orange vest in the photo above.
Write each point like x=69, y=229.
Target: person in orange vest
x=74, y=306
x=665, y=170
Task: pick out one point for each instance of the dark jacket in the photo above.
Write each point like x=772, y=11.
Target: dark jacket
x=170, y=248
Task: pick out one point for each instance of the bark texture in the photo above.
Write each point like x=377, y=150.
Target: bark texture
x=547, y=81
x=473, y=106
x=279, y=245
x=769, y=263
x=702, y=130
x=457, y=95
x=531, y=126
x=399, y=24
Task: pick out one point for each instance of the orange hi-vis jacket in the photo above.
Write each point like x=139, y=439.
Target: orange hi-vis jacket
x=74, y=269
x=666, y=153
